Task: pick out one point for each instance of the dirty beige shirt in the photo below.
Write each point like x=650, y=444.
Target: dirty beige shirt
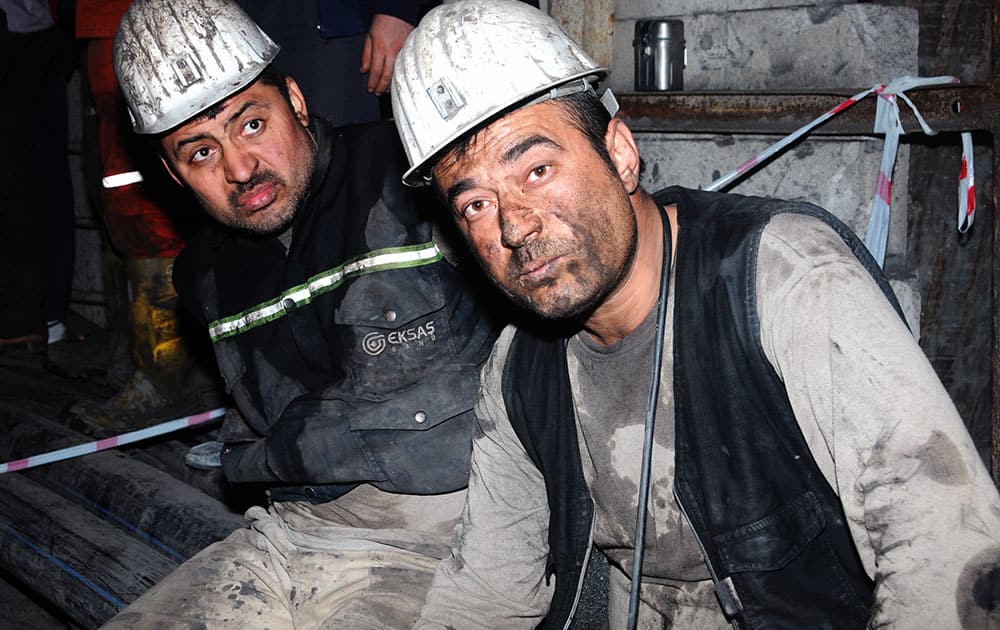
x=921, y=507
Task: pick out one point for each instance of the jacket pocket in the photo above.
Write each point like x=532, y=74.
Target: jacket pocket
x=421, y=439
x=395, y=329
x=770, y=543
x=436, y=398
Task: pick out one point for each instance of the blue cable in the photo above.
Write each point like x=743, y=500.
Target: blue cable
x=16, y=535
x=121, y=521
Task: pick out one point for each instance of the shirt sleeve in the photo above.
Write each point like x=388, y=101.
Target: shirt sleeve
x=406, y=10
x=494, y=578
x=922, y=509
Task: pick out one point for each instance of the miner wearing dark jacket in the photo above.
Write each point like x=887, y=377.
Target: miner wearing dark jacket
x=350, y=346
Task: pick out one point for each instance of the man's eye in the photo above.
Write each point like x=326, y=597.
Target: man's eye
x=253, y=126
x=201, y=154
x=475, y=208
x=539, y=172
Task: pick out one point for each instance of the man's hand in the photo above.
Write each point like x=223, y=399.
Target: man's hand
x=385, y=37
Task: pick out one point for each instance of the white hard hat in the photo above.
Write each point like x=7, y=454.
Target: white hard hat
x=470, y=60
x=174, y=58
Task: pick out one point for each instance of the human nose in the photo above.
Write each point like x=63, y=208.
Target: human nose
x=240, y=165
x=518, y=224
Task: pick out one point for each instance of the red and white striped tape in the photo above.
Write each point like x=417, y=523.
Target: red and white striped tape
x=966, y=186
x=112, y=442
x=886, y=122
x=770, y=152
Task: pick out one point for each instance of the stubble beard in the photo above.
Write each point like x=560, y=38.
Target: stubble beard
x=277, y=217
x=584, y=283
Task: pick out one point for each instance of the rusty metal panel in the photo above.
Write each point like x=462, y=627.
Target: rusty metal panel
x=957, y=108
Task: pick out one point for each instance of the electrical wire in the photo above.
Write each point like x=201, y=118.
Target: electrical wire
x=647, y=445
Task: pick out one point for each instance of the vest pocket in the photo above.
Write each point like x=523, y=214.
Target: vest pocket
x=770, y=543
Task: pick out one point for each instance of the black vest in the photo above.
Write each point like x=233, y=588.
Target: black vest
x=773, y=530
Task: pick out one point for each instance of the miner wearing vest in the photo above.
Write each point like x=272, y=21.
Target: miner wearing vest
x=806, y=468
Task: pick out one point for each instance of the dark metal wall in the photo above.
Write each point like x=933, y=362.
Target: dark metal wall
x=956, y=271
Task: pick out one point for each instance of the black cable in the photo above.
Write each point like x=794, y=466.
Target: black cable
x=647, y=445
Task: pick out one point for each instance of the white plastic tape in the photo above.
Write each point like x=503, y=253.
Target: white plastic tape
x=886, y=122
x=112, y=442
x=769, y=152
x=966, y=186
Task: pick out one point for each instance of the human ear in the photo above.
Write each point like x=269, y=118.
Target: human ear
x=298, y=101
x=624, y=153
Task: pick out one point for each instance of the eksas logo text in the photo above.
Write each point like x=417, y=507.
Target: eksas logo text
x=375, y=343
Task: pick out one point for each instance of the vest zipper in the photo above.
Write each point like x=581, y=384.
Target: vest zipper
x=586, y=563
x=724, y=590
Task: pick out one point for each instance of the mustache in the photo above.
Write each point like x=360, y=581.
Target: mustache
x=258, y=178
x=523, y=256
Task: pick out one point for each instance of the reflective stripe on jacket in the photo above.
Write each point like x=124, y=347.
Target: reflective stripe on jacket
x=352, y=357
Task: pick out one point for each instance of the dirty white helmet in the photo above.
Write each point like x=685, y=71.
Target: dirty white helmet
x=470, y=60
x=174, y=58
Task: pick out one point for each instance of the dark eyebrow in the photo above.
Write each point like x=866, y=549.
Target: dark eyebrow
x=458, y=188
x=523, y=146
x=506, y=157
x=240, y=111
x=186, y=141
x=211, y=113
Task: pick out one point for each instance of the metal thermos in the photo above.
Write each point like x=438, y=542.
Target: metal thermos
x=660, y=55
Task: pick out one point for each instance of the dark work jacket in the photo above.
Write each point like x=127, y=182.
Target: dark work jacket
x=354, y=357
x=773, y=531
